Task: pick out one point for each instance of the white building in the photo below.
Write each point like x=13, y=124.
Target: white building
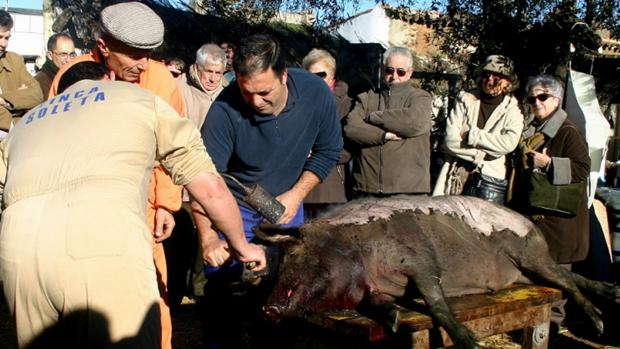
x=27, y=38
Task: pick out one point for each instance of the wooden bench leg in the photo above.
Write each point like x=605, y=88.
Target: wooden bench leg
x=420, y=340
x=537, y=337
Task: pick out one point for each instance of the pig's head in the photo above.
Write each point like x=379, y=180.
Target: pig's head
x=316, y=274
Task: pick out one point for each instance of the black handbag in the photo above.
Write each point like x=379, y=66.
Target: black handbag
x=564, y=199
x=486, y=187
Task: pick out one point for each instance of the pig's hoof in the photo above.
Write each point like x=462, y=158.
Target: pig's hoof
x=599, y=326
x=616, y=291
x=594, y=315
x=395, y=322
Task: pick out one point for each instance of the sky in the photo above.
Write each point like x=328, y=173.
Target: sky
x=38, y=4
x=33, y=4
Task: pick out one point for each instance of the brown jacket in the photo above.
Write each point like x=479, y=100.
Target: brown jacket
x=332, y=190
x=568, y=237
x=45, y=76
x=391, y=167
x=18, y=88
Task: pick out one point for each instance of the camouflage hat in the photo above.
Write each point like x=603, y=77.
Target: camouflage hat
x=133, y=24
x=501, y=65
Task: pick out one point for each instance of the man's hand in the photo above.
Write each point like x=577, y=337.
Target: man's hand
x=164, y=223
x=390, y=136
x=215, y=252
x=291, y=200
x=253, y=253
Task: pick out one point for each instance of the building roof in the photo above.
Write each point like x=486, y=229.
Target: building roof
x=26, y=11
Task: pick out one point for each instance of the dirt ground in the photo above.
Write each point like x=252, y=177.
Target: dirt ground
x=187, y=335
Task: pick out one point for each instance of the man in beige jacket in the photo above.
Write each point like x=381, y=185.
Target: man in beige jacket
x=203, y=83
x=19, y=91
x=74, y=244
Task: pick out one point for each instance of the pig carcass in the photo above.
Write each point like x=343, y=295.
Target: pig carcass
x=371, y=250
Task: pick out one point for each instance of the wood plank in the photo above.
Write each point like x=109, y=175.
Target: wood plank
x=504, y=307
x=501, y=323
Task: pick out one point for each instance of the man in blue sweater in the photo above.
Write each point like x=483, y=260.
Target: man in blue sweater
x=275, y=127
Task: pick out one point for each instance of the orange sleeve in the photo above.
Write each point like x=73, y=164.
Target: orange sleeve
x=176, y=101
x=163, y=192
x=166, y=193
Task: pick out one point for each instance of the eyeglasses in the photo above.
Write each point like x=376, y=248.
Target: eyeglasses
x=399, y=71
x=541, y=97
x=65, y=55
x=321, y=74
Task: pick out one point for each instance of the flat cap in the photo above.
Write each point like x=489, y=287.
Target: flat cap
x=133, y=24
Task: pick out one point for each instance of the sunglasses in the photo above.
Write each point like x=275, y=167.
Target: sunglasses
x=541, y=97
x=487, y=74
x=399, y=71
x=321, y=74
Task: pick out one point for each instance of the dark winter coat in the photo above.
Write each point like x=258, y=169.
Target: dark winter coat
x=332, y=190
x=567, y=237
x=45, y=76
x=398, y=166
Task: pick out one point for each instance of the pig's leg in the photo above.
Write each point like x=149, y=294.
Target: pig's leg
x=428, y=284
x=604, y=289
x=533, y=257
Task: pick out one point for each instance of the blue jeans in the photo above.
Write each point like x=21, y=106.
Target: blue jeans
x=250, y=219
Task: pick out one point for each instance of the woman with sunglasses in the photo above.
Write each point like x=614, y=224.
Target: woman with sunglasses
x=483, y=127
x=332, y=191
x=553, y=145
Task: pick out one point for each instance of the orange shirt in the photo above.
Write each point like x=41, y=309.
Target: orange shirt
x=157, y=79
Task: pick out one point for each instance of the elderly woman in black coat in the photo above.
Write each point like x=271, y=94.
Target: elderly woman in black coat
x=556, y=148
x=553, y=146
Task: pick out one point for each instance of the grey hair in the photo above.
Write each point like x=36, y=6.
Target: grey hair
x=399, y=51
x=548, y=82
x=318, y=55
x=210, y=54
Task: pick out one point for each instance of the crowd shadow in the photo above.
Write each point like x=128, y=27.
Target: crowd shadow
x=90, y=329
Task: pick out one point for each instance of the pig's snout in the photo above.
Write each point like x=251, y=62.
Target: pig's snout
x=273, y=312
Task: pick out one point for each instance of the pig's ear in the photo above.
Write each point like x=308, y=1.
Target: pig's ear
x=275, y=233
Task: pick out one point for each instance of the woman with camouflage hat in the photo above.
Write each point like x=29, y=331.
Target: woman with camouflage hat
x=483, y=127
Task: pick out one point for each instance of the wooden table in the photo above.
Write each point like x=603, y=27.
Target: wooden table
x=519, y=307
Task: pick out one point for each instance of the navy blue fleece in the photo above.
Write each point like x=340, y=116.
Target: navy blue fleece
x=273, y=150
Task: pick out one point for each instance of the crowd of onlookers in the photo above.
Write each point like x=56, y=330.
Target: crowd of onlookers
x=299, y=135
